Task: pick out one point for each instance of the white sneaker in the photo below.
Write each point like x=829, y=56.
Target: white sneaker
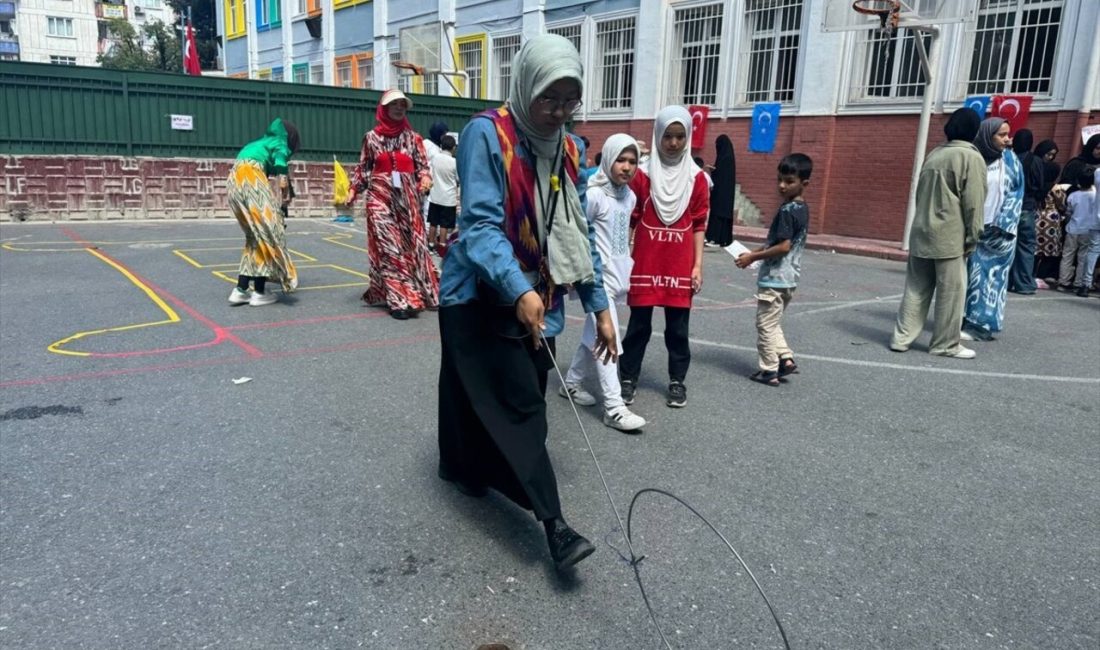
x=238, y=297
x=581, y=397
x=623, y=419
x=958, y=353
x=259, y=299
x=965, y=336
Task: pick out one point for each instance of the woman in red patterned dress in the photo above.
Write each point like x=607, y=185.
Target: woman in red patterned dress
x=393, y=170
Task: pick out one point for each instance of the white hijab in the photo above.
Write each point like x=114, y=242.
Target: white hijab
x=671, y=179
x=612, y=149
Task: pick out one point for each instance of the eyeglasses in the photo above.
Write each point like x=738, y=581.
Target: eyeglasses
x=550, y=105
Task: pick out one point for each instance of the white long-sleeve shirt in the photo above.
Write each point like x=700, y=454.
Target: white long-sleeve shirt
x=610, y=217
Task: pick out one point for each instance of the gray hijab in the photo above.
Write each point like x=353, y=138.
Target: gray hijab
x=541, y=61
x=984, y=140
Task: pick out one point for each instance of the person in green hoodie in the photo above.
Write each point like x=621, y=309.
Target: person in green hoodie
x=258, y=189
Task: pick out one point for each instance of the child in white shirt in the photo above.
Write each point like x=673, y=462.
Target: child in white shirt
x=1082, y=234
x=610, y=203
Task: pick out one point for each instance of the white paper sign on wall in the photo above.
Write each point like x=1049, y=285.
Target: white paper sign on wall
x=1089, y=131
x=182, y=123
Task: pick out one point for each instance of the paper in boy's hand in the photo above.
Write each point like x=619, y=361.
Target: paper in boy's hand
x=737, y=249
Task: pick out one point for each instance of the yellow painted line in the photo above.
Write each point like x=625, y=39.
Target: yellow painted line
x=300, y=253
x=173, y=317
x=232, y=279
x=188, y=259
x=332, y=240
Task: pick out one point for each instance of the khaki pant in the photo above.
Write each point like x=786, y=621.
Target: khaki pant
x=771, y=345
x=924, y=277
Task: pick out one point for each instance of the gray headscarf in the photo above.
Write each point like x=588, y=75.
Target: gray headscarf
x=541, y=62
x=984, y=140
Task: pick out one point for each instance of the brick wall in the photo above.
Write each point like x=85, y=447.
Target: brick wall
x=108, y=188
x=862, y=164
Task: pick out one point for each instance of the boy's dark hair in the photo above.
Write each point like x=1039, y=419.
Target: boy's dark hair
x=1086, y=178
x=587, y=144
x=448, y=143
x=598, y=160
x=699, y=161
x=293, y=140
x=796, y=164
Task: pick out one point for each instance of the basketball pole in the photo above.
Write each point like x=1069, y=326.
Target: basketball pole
x=927, y=61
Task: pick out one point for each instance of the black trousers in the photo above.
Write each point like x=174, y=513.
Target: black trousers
x=492, y=407
x=638, y=331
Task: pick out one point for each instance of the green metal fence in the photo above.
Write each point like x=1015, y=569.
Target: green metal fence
x=49, y=109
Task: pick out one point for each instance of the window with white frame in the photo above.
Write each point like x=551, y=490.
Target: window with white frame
x=1015, y=46
x=301, y=73
x=343, y=73
x=504, y=50
x=470, y=59
x=888, y=66
x=299, y=7
x=62, y=60
x=366, y=72
x=614, y=64
x=151, y=4
x=572, y=32
x=399, y=79
x=769, y=50
x=317, y=73
x=59, y=26
x=696, y=48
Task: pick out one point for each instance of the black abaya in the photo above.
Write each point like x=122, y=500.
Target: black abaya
x=720, y=222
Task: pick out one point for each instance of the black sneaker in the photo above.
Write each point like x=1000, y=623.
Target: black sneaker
x=567, y=546
x=677, y=395
x=628, y=388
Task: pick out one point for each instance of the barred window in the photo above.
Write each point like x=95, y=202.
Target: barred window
x=366, y=72
x=614, y=64
x=403, y=81
x=888, y=66
x=317, y=73
x=1015, y=43
x=504, y=50
x=62, y=60
x=769, y=50
x=276, y=74
x=572, y=32
x=471, y=59
x=696, y=49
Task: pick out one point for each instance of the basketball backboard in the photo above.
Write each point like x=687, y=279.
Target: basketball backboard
x=841, y=17
x=420, y=45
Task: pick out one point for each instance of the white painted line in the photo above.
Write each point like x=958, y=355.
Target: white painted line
x=846, y=305
x=898, y=366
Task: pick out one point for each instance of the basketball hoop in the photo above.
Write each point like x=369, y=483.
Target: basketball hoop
x=412, y=68
x=888, y=12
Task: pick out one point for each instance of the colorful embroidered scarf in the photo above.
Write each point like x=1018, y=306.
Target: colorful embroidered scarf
x=520, y=217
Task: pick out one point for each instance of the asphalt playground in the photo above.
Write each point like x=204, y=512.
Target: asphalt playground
x=151, y=497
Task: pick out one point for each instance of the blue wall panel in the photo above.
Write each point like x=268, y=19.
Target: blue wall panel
x=354, y=29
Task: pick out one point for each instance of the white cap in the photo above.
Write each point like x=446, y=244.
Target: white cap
x=393, y=95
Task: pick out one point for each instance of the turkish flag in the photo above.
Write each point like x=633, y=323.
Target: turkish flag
x=1013, y=109
x=191, y=54
x=699, y=115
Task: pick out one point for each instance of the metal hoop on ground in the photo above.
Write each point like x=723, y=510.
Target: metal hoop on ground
x=888, y=12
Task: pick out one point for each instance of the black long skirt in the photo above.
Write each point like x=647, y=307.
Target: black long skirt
x=492, y=407
x=720, y=230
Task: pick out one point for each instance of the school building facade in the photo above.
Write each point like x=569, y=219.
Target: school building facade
x=849, y=100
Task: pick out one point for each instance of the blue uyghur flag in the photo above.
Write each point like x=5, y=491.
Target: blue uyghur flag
x=765, y=126
x=980, y=103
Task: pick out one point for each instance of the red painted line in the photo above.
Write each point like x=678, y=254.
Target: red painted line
x=304, y=321
x=103, y=374
x=220, y=332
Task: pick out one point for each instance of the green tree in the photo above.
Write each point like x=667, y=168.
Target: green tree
x=155, y=48
x=204, y=22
